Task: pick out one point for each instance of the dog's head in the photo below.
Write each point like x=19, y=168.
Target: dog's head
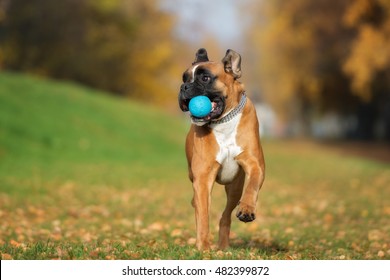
x=216, y=80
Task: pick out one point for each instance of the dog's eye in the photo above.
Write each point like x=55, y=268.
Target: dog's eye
x=205, y=78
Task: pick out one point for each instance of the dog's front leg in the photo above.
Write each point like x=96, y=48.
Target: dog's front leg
x=254, y=171
x=203, y=184
x=201, y=204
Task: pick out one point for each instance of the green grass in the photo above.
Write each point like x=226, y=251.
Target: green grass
x=84, y=175
x=67, y=131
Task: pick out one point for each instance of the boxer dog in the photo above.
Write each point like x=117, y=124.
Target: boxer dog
x=224, y=146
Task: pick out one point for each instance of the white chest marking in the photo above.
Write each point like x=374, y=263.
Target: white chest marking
x=225, y=135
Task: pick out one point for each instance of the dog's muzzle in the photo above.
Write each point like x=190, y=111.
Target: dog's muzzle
x=217, y=102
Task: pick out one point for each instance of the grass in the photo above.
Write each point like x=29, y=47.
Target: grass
x=84, y=175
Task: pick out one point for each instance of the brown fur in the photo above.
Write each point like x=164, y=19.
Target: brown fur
x=201, y=151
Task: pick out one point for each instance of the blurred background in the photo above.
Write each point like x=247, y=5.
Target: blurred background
x=315, y=68
x=92, y=162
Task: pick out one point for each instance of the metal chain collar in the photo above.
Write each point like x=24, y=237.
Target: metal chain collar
x=233, y=113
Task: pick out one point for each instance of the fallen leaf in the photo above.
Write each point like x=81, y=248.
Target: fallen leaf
x=176, y=232
x=157, y=226
x=14, y=243
x=381, y=254
x=289, y=230
x=374, y=235
x=328, y=218
x=6, y=257
x=191, y=241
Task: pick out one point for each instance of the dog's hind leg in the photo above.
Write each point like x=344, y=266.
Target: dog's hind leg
x=233, y=193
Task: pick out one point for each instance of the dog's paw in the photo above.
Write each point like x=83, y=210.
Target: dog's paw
x=246, y=213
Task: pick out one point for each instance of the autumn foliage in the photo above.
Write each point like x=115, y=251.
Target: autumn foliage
x=370, y=53
x=308, y=58
x=125, y=47
x=317, y=56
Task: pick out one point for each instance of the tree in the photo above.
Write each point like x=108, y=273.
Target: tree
x=117, y=45
x=368, y=63
x=370, y=52
x=323, y=56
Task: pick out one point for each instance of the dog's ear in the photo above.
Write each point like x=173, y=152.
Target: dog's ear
x=232, y=63
x=201, y=56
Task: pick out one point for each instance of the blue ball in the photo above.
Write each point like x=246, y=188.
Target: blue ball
x=200, y=106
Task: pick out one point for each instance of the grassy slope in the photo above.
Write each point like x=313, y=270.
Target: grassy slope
x=64, y=130
x=88, y=176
